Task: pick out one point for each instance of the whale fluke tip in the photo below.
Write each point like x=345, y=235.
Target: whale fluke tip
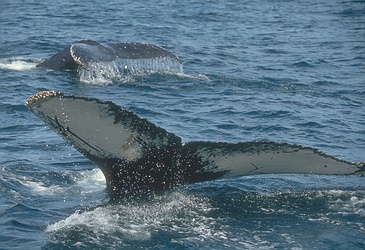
x=42, y=95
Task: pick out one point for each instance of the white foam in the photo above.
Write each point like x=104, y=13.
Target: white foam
x=348, y=202
x=175, y=212
x=91, y=180
x=20, y=64
x=39, y=188
x=85, y=182
x=194, y=76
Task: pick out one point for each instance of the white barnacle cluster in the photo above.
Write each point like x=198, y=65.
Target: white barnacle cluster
x=78, y=59
x=42, y=95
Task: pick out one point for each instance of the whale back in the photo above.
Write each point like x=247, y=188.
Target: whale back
x=85, y=52
x=60, y=61
x=136, y=50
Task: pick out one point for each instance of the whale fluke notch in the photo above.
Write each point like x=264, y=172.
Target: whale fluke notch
x=139, y=158
x=84, y=52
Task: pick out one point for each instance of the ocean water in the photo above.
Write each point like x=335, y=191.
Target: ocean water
x=286, y=71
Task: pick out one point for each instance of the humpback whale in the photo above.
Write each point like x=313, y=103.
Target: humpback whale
x=84, y=52
x=139, y=158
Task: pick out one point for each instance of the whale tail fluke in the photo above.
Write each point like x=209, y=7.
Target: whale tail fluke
x=138, y=157
x=266, y=157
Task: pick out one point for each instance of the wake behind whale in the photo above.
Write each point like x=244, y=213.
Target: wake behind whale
x=138, y=158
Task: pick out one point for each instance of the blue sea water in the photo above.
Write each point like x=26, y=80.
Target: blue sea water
x=286, y=71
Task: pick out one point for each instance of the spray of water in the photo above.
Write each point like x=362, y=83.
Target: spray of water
x=19, y=64
x=127, y=69
x=174, y=212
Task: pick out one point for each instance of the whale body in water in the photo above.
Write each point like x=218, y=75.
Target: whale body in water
x=82, y=53
x=139, y=158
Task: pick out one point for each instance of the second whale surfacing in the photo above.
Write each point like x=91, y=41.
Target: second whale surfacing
x=84, y=52
x=139, y=158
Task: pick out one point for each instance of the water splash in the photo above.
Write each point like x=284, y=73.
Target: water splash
x=121, y=70
x=127, y=69
x=19, y=64
x=175, y=212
